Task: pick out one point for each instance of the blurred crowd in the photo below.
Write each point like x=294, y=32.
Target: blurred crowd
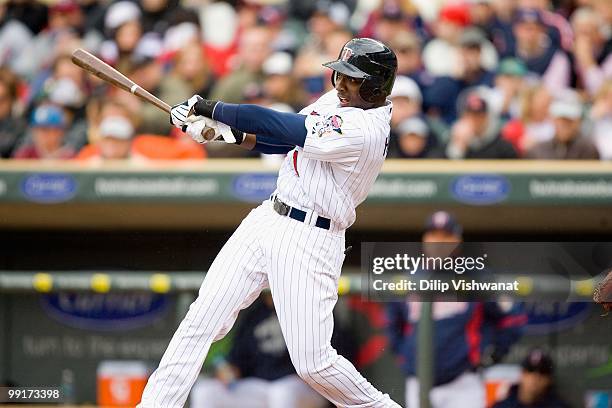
x=488, y=79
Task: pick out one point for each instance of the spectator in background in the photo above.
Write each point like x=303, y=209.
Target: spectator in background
x=65, y=94
x=123, y=24
x=469, y=72
x=535, y=48
x=592, y=49
x=536, y=385
x=559, y=30
x=308, y=67
x=601, y=116
x=476, y=135
x=60, y=35
x=407, y=48
x=275, y=18
x=115, y=141
x=33, y=14
x=326, y=17
x=569, y=142
x=509, y=86
x=99, y=109
x=48, y=126
x=258, y=372
x=440, y=53
x=93, y=13
x=482, y=14
x=67, y=88
x=146, y=71
x=14, y=38
x=159, y=15
x=411, y=139
x=534, y=116
x=500, y=27
x=389, y=19
x=12, y=126
x=190, y=74
x=253, y=50
x=279, y=84
x=407, y=100
x=465, y=333
x=68, y=75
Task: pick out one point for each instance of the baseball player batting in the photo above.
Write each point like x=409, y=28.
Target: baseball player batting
x=292, y=243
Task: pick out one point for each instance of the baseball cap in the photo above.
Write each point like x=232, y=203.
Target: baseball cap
x=526, y=15
x=474, y=102
x=65, y=92
x=444, y=221
x=48, y=116
x=472, y=37
x=538, y=361
x=116, y=127
x=458, y=13
x=407, y=88
x=279, y=63
x=178, y=35
x=120, y=13
x=413, y=126
x=64, y=6
x=566, y=108
x=512, y=67
x=149, y=46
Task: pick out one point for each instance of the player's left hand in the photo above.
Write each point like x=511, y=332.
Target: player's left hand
x=195, y=126
x=180, y=112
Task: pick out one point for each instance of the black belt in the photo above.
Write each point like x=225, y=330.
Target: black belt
x=298, y=215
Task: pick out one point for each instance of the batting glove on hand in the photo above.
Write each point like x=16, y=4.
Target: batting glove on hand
x=196, y=127
x=180, y=112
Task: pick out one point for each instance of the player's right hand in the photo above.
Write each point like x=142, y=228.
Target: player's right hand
x=180, y=112
x=197, y=126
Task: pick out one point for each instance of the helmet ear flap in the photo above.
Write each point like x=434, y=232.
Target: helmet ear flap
x=333, y=78
x=369, y=91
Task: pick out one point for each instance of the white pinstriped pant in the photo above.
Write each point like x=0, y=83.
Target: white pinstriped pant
x=301, y=264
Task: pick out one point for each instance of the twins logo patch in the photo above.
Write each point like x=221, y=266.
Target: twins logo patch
x=346, y=54
x=329, y=124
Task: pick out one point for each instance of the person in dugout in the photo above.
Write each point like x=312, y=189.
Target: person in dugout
x=467, y=335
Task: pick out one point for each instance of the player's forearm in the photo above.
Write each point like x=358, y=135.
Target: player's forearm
x=261, y=144
x=286, y=128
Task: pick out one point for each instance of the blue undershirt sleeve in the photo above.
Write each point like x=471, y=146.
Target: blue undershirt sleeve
x=282, y=127
x=270, y=145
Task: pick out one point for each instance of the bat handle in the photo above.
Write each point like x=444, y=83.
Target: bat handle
x=139, y=91
x=207, y=133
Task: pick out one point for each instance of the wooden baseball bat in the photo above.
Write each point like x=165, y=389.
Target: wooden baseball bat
x=105, y=72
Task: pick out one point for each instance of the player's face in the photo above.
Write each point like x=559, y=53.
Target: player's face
x=348, y=92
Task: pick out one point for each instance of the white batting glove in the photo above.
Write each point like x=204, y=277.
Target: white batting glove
x=197, y=124
x=180, y=112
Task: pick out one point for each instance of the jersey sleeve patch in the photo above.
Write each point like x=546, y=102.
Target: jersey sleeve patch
x=335, y=137
x=324, y=125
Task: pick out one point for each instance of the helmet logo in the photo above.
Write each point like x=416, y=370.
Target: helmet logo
x=346, y=54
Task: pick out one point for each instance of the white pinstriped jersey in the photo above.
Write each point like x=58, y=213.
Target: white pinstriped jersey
x=341, y=158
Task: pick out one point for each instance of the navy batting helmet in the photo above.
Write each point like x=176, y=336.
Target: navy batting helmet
x=370, y=60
